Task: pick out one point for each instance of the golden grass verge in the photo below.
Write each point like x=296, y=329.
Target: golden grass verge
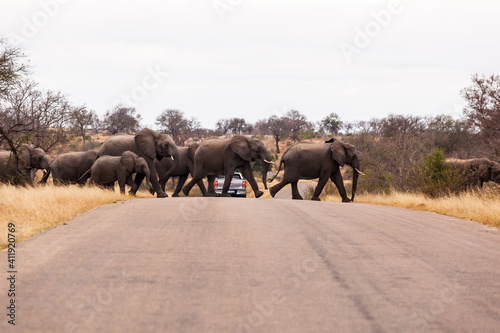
x=33, y=210
x=474, y=206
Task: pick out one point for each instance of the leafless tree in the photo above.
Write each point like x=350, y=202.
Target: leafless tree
x=82, y=119
x=238, y=125
x=12, y=67
x=278, y=127
x=297, y=122
x=36, y=116
x=222, y=126
x=122, y=119
x=174, y=123
x=483, y=109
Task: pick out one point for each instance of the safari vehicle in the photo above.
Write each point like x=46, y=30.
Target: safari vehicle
x=238, y=186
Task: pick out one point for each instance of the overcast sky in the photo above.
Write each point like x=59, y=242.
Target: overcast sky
x=216, y=59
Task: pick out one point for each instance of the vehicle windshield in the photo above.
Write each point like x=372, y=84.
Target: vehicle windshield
x=235, y=176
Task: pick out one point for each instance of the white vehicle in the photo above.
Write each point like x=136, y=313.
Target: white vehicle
x=238, y=187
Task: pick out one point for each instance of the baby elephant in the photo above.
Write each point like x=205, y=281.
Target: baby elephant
x=108, y=169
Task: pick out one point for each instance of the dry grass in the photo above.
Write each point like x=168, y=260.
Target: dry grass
x=36, y=209
x=474, y=206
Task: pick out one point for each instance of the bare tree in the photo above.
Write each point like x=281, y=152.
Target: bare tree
x=173, y=122
x=36, y=116
x=82, y=119
x=238, y=125
x=122, y=119
x=297, y=123
x=193, y=128
x=222, y=126
x=278, y=127
x=483, y=109
x=12, y=67
x=97, y=124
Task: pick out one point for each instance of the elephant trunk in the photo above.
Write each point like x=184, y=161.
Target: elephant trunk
x=266, y=163
x=354, y=183
x=46, y=175
x=355, y=172
x=265, y=168
x=148, y=177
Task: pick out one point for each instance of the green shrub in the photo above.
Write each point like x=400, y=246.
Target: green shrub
x=437, y=178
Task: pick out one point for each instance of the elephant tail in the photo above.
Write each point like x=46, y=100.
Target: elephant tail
x=81, y=177
x=277, y=173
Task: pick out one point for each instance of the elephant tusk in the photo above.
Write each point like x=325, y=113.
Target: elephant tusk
x=172, y=158
x=268, y=162
x=359, y=172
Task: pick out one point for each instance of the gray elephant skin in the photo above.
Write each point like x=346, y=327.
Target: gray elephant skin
x=167, y=168
x=147, y=144
x=224, y=156
x=106, y=170
x=323, y=161
x=475, y=172
x=20, y=173
x=72, y=167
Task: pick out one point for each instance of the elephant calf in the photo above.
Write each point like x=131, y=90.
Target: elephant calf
x=108, y=169
x=19, y=171
x=167, y=168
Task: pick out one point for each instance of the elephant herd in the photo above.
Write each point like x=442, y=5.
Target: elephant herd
x=155, y=158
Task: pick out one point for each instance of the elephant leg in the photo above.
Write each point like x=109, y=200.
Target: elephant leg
x=154, y=180
x=133, y=185
x=276, y=188
x=211, y=190
x=121, y=184
x=187, y=188
x=163, y=182
x=109, y=186
x=336, y=178
x=180, y=183
x=246, y=170
x=202, y=187
x=227, y=181
x=323, y=179
x=295, y=192
x=139, y=177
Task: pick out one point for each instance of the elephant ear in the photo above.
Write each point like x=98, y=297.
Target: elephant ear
x=128, y=160
x=146, y=141
x=192, y=149
x=239, y=145
x=485, y=170
x=25, y=156
x=338, y=152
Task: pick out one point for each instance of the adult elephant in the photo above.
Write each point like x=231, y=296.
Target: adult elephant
x=475, y=172
x=18, y=170
x=323, y=161
x=71, y=168
x=108, y=169
x=148, y=144
x=167, y=168
x=224, y=156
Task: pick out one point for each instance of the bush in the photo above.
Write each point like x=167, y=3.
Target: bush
x=437, y=179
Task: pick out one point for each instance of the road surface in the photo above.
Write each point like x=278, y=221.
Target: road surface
x=255, y=265
x=286, y=192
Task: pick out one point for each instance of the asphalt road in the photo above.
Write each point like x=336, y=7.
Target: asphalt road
x=286, y=192
x=256, y=265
